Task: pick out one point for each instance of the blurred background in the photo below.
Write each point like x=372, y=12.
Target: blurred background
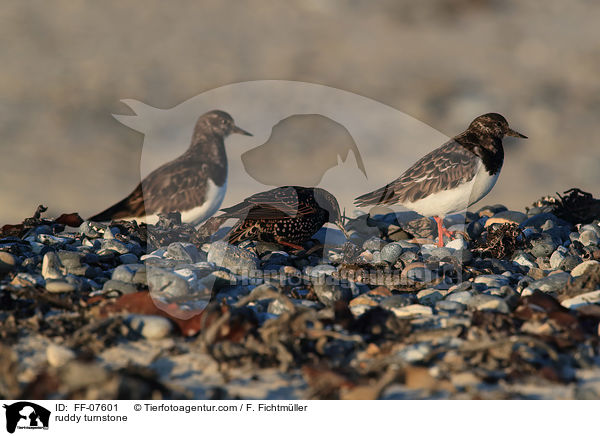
x=67, y=64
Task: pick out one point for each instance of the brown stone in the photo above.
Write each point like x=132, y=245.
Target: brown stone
x=495, y=220
x=8, y=262
x=362, y=300
x=381, y=291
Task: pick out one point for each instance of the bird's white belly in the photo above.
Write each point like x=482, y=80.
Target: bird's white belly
x=482, y=185
x=214, y=197
x=455, y=199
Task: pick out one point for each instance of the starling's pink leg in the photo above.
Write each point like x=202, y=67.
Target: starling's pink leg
x=289, y=244
x=442, y=231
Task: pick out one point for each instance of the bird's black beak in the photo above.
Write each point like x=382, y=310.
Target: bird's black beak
x=511, y=132
x=236, y=129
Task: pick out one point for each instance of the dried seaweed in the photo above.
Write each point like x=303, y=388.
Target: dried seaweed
x=501, y=242
x=169, y=228
x=58, y=224
x=574, y=206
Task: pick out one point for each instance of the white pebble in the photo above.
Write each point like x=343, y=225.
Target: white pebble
x=58, y=355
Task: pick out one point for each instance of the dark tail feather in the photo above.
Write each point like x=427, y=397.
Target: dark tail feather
x=119, y=210
x=379, y=196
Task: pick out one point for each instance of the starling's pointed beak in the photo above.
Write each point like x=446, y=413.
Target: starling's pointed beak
x=236, y=129
x=511, y=132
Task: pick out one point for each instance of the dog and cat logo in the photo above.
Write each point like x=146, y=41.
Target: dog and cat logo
x=26, y=416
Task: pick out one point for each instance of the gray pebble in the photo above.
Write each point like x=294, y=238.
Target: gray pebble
x=130, y=273
x=91, y=230
x=128, y=258
x=420, y=274
x=462, y=297
x=329, y=290
x=449, y=306
x=400, y=300
x=551, y=283
x=373, y=243
x=409, y=246
x=108, y=246
x=525, y=259
x=377, y=261
x=457, y=244
x=430, y=296
x=51, y=266
x=320, y=270
x=463, y=256
x=557, y=257
x=183, y=251
x=53, y=240
x=163, y=283
x=540, y=219
x=409, y=257
x=70, y=259
x=108, y=234
x=437, y=253
x=489, y=303
x=122, y=287
x=588, y=237
x=542, y=246
x=492, y=280
x=391, y=252
x=235, y=259
x=569, y=262
x=590, y=227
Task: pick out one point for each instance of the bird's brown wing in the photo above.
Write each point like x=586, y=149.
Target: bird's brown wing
x=174, y=186
x=443, y=168
x=278, y=203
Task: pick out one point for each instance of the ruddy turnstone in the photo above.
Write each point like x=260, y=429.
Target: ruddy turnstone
x=453, y=177
x=288, y=215
x=194, y=184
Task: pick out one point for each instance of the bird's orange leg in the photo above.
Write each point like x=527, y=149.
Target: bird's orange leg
x=289, y=244
x=442, y=231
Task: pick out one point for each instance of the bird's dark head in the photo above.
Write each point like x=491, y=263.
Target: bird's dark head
x=494, y=125
x=220, y=123
x=328, y=202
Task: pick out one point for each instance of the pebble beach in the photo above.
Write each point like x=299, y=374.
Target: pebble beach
x=508, y=309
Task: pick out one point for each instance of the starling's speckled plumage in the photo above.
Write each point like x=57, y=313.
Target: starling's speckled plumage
x=193, y=184
x=453, y=177
x=288, y=215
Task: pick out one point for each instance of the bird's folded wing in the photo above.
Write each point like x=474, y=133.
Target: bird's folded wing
x=176, y=186
x=442, y=169
x=278, y=203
